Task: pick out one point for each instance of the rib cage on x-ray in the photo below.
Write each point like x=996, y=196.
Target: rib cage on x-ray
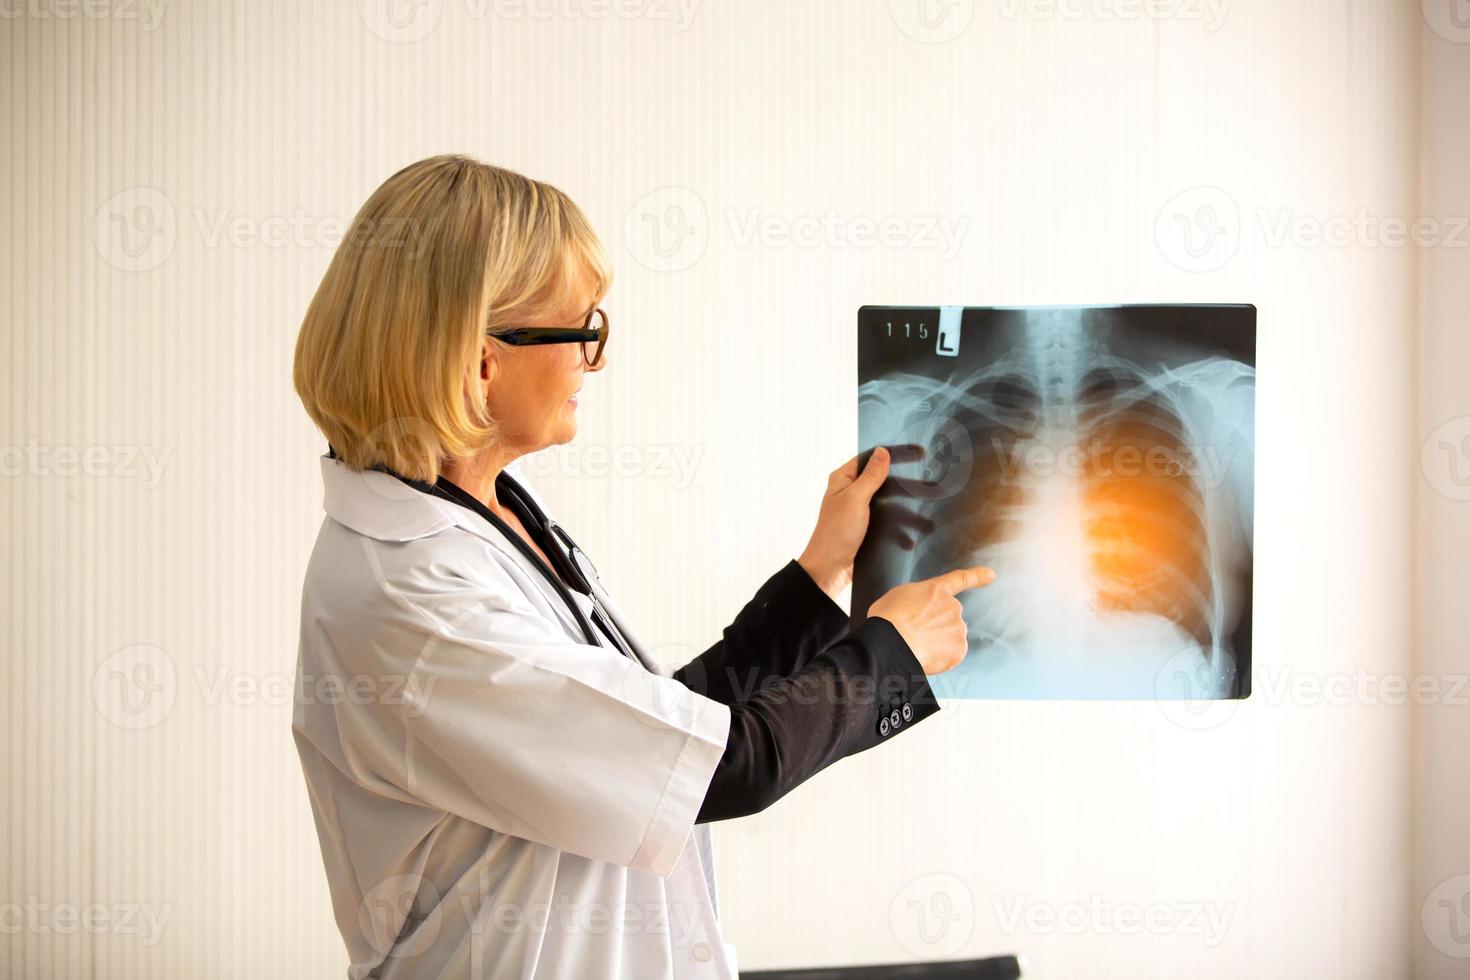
x=1101, y=460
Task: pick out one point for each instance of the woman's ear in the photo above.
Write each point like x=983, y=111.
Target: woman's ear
x=488, y=368
x=489, y=360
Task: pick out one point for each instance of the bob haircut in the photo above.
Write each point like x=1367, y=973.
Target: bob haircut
x=389, y=351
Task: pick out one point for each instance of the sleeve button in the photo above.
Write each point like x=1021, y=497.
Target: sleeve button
x=908, y=711
x=883, y=727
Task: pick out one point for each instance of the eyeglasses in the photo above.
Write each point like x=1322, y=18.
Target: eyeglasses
x=592, y=335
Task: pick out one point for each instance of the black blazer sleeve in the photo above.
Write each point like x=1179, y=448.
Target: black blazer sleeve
x=779, y=631
x=864, y=689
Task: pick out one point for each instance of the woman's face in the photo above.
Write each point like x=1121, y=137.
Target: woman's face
x=532, y=389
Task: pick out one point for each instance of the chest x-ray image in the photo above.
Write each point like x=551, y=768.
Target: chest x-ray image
x=1101, y=460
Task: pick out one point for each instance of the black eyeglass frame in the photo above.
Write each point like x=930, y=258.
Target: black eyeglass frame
x=585, y=334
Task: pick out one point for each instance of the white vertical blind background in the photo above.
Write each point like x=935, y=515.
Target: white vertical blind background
x=172, y=192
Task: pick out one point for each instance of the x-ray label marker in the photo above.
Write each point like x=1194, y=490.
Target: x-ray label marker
x=948, y=344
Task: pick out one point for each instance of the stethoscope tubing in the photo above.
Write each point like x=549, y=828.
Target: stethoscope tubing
x=614, y=629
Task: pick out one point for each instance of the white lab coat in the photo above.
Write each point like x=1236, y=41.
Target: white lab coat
x=494, y=796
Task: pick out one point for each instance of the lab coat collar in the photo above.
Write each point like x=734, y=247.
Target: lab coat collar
x=382, y=506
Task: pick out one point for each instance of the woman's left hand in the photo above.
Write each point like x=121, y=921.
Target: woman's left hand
x=842, y=522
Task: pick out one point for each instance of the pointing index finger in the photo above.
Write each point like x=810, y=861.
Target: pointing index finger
x=959, y=579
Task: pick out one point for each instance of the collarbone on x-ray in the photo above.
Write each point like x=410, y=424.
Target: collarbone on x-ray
x=1101, y=460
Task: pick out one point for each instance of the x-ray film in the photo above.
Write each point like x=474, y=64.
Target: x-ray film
x=1101, y=460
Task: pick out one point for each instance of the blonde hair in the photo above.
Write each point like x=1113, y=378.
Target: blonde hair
x=388, y=354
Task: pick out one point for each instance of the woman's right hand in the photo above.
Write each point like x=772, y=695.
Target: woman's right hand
x=929, y=617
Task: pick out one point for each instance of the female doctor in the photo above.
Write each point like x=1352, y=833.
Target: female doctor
x=504, y=784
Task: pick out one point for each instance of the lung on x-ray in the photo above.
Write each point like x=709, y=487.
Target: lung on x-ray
x=1100, y=459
